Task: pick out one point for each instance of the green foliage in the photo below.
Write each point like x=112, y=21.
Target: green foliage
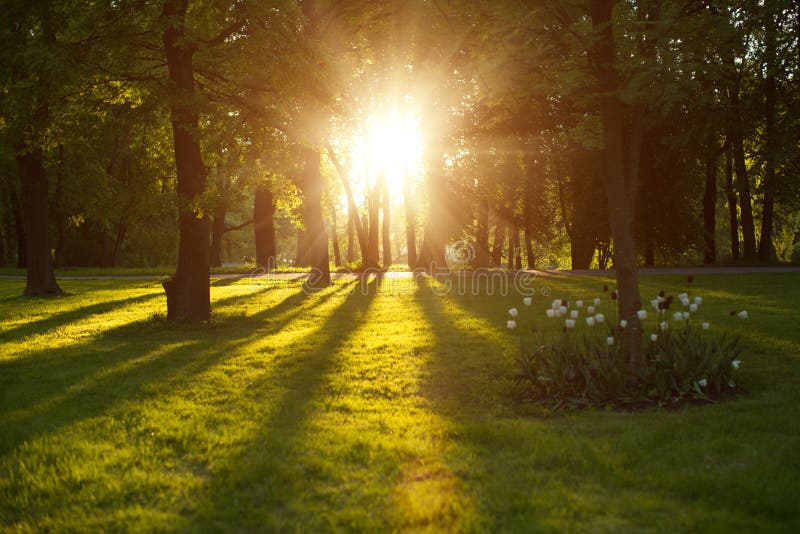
x=588, y=372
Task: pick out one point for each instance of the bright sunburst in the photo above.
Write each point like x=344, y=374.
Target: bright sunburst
x=390, y=145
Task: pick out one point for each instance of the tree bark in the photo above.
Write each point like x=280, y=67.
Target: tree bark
x=351, y=225
x=730, y=193
x=217, y=233
x=386, y=223
x=710, y=210
x=498, y=243
x=19, y=228
x=373, y=232
x=264, y=228
x=742, y=180
x=434, y=239
x=482, y=234
x=188, y=295
x=313, y=186
x=766, y=249
x=411, y=220
x=621, y=161
x=41, y=279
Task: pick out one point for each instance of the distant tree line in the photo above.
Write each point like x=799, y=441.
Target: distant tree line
x=609, y=132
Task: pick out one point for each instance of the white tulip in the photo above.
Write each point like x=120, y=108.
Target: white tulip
x=736, y=363
x=693, y=308
x=511, y=325
x=569, y=323
x=609, y=341
x=686, y=316
x=623, y=323
x=654, y=304
x=513, y=312
x=527, y=301
x=705, y=326
x=596, y=301
x=551, y=313
x=641, y=314
x=732, y=384
x=743, y=314
x=702, y=382
x=590, y=321
x=677, y=316
x=685, y=301
x=698, y=300
x=563, y=310
x=590, y=310
x=599, y=318
x=683, y=296
x=579, y=303
x=574, y=314
x=663, y=326
x=653, y=337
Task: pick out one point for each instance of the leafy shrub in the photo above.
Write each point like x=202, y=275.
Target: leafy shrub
x=587, y=367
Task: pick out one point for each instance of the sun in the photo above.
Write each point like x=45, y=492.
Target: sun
x=390, y=146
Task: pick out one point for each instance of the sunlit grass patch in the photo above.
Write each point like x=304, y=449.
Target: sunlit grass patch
x=372, y=405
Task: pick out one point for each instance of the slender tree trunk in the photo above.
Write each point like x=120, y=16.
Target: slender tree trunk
x=217, y=233
x=386, y=229
x=766, y=248
x=119, y=239
x=35, y=217
x=188, y=295
x=264, y=228
x=710, y=209
x=437, y=223
x=59, y=218
x=411, y=221
x=315, y=226
x=730, y=193
x=19, y=229
x=482, y=234
x=373, y=231
x=742, y=180
x=498, y=244
x=529, y=254
x=621, y=159
x=350, y=234
x=337, y=256
x=517, y=250
x=301, y=258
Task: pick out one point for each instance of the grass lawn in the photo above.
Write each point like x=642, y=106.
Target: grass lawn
x=372, y=406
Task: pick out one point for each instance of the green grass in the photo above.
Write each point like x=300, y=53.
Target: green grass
x=371, y=406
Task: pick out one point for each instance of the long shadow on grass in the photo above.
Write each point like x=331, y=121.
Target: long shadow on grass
x=260, y=489
x=516, y=483
x=57, y=388
x=59, y=319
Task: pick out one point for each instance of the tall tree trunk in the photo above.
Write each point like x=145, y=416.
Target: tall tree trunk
x=386, y=228
x=517, y=250
x=351, y=225
x=313, y=186
x=730, y=193
x=41, y=279
x=264, y=228
x=19, y=228
x=371, y=259
x=59, y=216
x=301, y=257
x=766, y=249
x=188, y=295
x=337, y=256
x=512, y=244
x=482, y=234
x=742, y=180
x=710, y=209
x=498, y=244
x=622, y=165
x=437, y=223
x=217, y=233
x=119, y=239
x=411, y=220
x=530, y=256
